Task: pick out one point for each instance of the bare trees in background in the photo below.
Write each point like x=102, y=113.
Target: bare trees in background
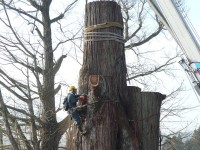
x=29, y=63
x=32, y=47
x=181, y=141
x=140, y=27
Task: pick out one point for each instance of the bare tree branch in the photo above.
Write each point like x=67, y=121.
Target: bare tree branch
x=8, y=129
x=156, y=69
x=25, y=113
x=146, y=39
x=22, y=12
x=35, y=4
x=13, y=92
x=61, y=16
x=64, y=125
x=57, y=89
x=57, y=18
x=58, y=64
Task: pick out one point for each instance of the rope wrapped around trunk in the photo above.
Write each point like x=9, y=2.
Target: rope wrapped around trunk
x=89, y=35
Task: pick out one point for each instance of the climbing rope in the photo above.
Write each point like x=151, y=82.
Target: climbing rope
x=104, y=25
x=103, y=36
x=91, y=36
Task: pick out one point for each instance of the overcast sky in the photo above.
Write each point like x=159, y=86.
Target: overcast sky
x=194, y=12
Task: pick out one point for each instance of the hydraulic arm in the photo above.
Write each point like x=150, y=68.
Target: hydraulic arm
x=170, y=14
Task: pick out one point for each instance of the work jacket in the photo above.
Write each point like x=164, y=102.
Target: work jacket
x=72, y=99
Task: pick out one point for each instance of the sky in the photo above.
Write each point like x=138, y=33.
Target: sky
x=193, y=13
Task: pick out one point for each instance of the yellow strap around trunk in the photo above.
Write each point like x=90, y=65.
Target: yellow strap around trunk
x=103, y=25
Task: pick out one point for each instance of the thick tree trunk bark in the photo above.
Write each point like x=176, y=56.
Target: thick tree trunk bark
x=1, y=138
x=144, y=114
x=49, y=134
x=118, y=117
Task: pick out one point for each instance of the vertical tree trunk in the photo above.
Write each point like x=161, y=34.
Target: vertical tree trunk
x=1, y=137
x=49, y=134
x=144, y=114
x=106, y=60
x=118, y=117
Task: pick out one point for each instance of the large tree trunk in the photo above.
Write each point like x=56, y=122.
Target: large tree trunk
x=118, y=117
x=49, y=134
x=1, y=138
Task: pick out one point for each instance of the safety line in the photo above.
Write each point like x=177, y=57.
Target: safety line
x=103, y=36
x=104, y=25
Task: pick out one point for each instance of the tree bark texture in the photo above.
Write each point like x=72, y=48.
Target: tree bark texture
x=49, y=133
x=1, y=138
x=118, y=117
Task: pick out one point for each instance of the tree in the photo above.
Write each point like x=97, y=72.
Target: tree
x=173, y=143
x=33, y=58
x=117, y=115
x=194, y=142
x=176, y=142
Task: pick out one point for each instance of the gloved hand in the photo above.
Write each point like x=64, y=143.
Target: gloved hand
x=83, y=98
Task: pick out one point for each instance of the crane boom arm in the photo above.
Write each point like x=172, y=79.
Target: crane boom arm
x=170, y=15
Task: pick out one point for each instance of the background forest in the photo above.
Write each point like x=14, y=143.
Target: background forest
x=182, y=141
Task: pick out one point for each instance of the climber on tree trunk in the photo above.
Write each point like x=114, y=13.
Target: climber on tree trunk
x=75, y=111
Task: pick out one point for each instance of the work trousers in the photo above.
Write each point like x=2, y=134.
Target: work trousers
x=75, y=116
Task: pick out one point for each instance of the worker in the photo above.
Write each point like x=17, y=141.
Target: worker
x=73, y=98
